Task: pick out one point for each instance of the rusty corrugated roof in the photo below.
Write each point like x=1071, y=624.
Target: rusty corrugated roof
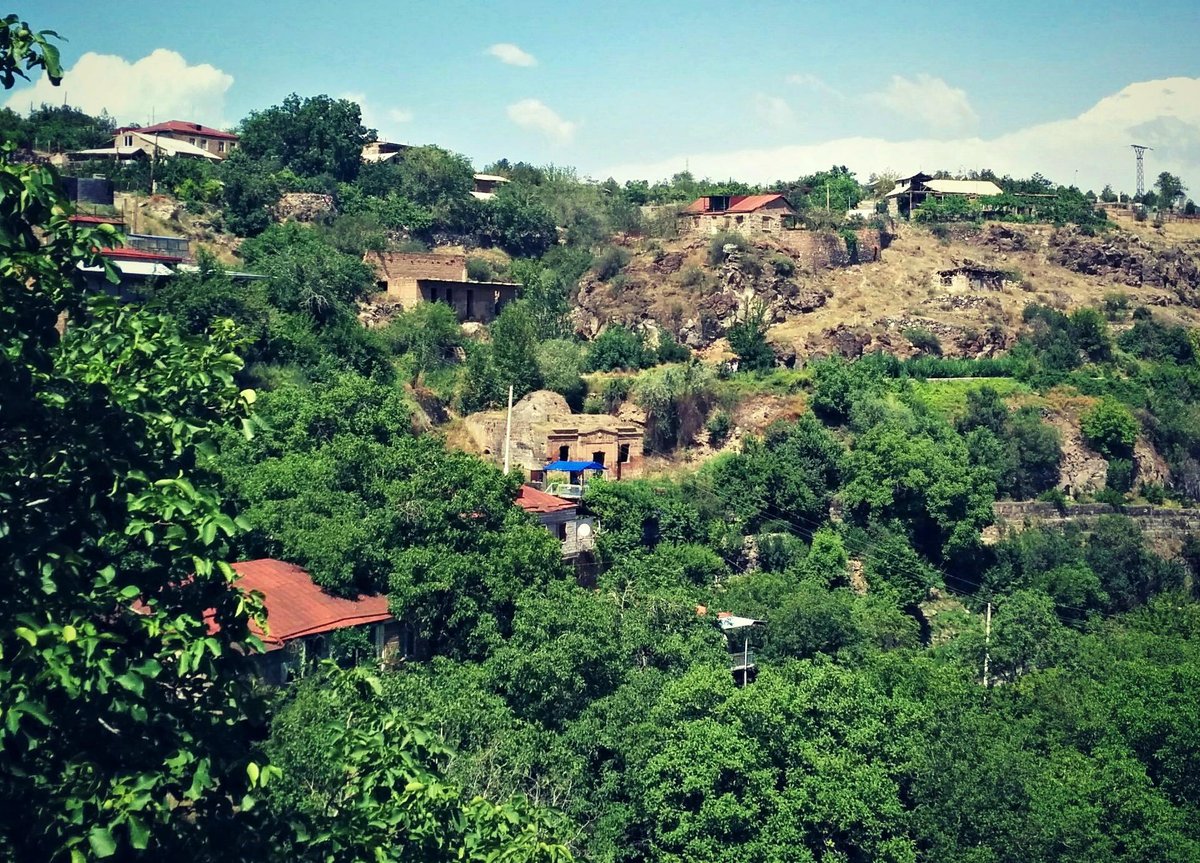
x=737, y=203
x=296, y=606
x=539, y=502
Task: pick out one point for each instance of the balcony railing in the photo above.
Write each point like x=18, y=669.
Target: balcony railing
x=741, y=659
x=571, y=491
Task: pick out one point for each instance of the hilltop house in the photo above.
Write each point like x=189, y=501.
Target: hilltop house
x=766, y=214
x=301, y=618
x=412, y=278
x=486, y=186
x=911, y=192
x=545, y=432
x=175, y=138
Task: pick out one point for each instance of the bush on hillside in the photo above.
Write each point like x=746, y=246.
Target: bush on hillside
x=610, y=262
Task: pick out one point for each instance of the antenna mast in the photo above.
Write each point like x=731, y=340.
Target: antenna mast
x=1139, y=150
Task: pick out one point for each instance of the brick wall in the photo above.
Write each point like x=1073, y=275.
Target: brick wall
x=395, y=266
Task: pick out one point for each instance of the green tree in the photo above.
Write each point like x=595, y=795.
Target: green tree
x=677, y=400
x=1110, y=428
x=515, y=348
x=748, y=339
x=313, y=136
x=617, y=348
x=1170, y=189
x=114, y=716
x=360, y=779
x=560, y=363
x=427, y=334
x=249, y=192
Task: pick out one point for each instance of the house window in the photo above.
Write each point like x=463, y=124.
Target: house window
x=562, y=531
x=220, y=146
x=192, y=141
x=470, y=303
x=129, y=140
x=623, y=454
x=598, y=457
x=433, y=295
x=564, y=452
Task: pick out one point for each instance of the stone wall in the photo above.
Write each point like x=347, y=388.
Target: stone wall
x=818, y=250
x=1164, y=527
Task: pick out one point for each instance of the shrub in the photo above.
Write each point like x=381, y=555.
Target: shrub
x=615, y=393
x=610, y=262
x=676, y=400
x=923, y=340
x=480, y=270
x=669, y=348
x=783, y=266
x=1110, y=429
x=748, y=339
x=593, y=404
x=1120, y=475
x=618, y=348
x=1116, y=305
x=1056, y=497
x=691, y=276
x=716, y=246
x=1154, y=493
x=719, y=426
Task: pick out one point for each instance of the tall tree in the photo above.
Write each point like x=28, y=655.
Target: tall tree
x=311, y=136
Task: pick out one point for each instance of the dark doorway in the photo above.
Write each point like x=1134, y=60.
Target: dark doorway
x=564, y=452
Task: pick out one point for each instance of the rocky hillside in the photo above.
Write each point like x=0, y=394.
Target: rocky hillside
x=967, y=285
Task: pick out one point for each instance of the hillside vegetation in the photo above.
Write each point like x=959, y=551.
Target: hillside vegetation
x=828, y=440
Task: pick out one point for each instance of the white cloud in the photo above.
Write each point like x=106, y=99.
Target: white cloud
x=511, y=55
x=809, y=81
x=535, y=115
x=773, y=111
x=930, y=100
x=384, y=120
x=160, y=85
x=1164, y=114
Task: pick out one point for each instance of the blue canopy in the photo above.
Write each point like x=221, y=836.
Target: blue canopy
x=574, y=466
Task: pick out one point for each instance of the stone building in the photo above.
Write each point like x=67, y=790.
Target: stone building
x=910, y=192
x=411, y=278
x=544, y=430
x=748, y=214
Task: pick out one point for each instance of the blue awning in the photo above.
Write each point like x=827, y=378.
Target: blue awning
x=574, y=466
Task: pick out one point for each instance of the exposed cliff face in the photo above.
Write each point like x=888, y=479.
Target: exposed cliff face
x=819, y=303
x=675, y=288
x=1126, y=259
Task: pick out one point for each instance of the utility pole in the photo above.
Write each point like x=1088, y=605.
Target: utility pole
x=987, y=643
x=826, y=197
x=1140, y=150
x=508, y=431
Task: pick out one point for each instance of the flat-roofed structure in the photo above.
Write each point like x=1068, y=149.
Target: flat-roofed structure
x=411, y=278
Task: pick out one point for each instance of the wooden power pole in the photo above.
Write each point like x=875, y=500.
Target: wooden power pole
x=987, y=643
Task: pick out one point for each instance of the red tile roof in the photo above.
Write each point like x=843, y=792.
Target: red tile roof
x=297, y=607
x=181, y=127
x=538, y=502
x=737, y=203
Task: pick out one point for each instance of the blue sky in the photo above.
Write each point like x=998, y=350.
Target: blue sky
x=762, y=89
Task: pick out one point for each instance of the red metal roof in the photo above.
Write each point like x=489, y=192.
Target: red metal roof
x=296, y=606
x=538, y=502
x=139, y=255
x=95, y=220
x=737, y=203
x=180, y=127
